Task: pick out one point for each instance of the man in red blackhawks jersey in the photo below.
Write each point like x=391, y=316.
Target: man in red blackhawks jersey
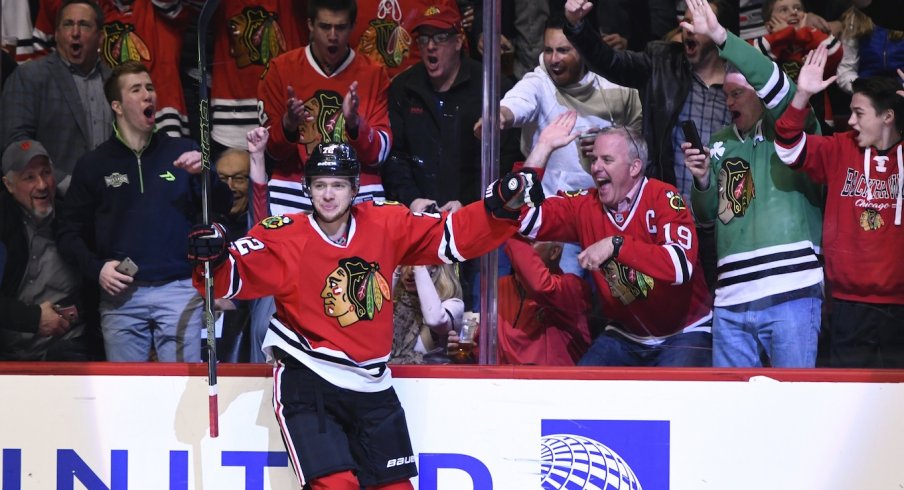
x=862, y=234
x=324, y=92
x=640, y=245
x=331, y=335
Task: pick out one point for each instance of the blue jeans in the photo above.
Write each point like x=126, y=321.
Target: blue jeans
x=680, y=350
x=783, y=328
x=262, y=309
x=166, y=315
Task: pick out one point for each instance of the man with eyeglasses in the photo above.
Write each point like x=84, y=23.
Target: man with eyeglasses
x=436, y=162
x=768, y=218
x=325, y=93
x=59, y=99
x=639, y=246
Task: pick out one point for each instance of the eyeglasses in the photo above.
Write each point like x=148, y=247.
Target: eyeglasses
x=629, y=133
x=239, y=179
x=438, y=38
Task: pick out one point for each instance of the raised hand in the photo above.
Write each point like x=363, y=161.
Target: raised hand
x=576, y=10
x=705, y=22
x=810, y=80
x=295, y=112
x=350, y=107
x=559, y=132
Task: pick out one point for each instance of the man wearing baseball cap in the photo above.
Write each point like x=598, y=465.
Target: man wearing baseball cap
x=39, y=292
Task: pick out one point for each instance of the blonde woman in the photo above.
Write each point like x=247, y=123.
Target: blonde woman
x=427, y=304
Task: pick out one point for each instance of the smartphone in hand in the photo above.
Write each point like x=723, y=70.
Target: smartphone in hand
x=70, y=313
x=127, y=267
x=691, y=135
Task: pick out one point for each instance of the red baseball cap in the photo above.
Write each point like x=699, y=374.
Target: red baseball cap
x=444, y=15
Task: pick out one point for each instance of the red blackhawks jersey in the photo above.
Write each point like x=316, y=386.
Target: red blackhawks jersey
x=651, y=290
x=333, y=302
x=248, y=34
x=862, y=234
x=382, y=32
x=323, y=94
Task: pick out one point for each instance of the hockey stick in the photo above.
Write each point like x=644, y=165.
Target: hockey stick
x=210, y=6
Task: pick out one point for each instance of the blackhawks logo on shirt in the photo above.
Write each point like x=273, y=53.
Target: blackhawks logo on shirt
x=328, y=124
x=122, y=43
x=871, y=220
x=625, y=283
x=354, y=291
x=385, y=42
x=736, y=190
x=255, y=38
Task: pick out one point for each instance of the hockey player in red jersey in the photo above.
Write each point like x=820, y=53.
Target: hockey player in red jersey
x=641, y=247
x=331, y=335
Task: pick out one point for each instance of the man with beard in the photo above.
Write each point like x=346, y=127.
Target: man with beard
x=44, y=312
x=324, y=93
x=331, y=335
x=59, y=99
x=639, y=246
x=561, y=83
x=679, y=82
x=136, y=197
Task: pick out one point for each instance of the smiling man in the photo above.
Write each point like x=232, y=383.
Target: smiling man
x=36, y=280
x=639, y=246
x=331, y=336
x=136, y=196
x=562, y=82
x=59, y=99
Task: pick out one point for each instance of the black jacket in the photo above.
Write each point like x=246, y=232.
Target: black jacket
x=16, y=315
x=120, y=204
x=661, y=73
x=435, y=153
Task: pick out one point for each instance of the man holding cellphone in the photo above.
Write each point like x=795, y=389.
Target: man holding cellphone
x=128, y=211
x=38, y=291
x=768, y=218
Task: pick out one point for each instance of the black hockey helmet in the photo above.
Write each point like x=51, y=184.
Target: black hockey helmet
x=332, y=160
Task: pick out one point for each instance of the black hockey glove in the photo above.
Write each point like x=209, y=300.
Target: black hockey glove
x=505, y=197
x=207, y=243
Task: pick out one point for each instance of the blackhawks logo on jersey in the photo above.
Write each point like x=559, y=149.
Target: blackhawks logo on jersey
x=328, y=124
x=577, y=193
x=122, y=43
x=625, y=283
x=736, y=190
x=871, y=220
x=354, y=291
x=274, y=222
x=255, y=38
x=385, y=42
x=676, y=202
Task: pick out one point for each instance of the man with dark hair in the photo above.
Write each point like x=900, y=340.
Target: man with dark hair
x=58, y=100
x=324, y=92
x=331, y=335
x=136, y=197
x=863, y=233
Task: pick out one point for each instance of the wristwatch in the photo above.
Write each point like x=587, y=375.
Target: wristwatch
x=617, y=242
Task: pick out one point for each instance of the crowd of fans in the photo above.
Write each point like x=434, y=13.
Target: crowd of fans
x=775, y=241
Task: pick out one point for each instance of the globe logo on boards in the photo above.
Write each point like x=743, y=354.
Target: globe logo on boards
x=571, y=461
x=604, y=454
